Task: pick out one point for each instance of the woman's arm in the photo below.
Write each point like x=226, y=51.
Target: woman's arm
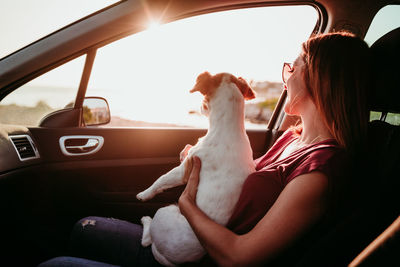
x=297, y=208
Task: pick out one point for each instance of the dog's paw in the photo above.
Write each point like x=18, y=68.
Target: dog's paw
x=146, y=241
x=146, y=237
x=142, y=196
x=146, y=220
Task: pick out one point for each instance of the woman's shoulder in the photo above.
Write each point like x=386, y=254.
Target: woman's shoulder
x=326, y=157
x=327, y=152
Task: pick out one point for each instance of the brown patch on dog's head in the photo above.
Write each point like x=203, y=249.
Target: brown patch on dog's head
x=246, y=90
x=206, y=84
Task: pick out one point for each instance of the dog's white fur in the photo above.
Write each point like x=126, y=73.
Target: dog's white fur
x=227, y=160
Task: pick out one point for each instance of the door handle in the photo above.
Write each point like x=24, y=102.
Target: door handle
x=88, y=144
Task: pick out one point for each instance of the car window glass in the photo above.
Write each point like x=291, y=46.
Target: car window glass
x=374, y=115
x=391, y=118
x=25, y=21
x=385, y=20
x=49, y=92
x=146, y=77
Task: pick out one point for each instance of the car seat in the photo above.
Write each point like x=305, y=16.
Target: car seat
x=379, y=204
x=385, y=139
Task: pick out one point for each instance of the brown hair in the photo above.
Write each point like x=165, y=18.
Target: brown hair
x=337, y=78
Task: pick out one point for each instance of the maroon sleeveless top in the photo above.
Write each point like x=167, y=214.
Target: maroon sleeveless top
x=262, y=188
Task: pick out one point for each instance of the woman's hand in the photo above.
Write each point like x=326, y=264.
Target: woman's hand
x=192, y=176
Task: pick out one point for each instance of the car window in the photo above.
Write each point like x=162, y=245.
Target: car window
x=146, y=77
x=385, y=20
x=25, y=21
x=49, y=92
x=391, y=118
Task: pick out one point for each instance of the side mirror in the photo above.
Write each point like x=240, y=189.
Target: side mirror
x=95, y=111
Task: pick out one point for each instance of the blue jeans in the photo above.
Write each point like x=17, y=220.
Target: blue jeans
x=98, y=241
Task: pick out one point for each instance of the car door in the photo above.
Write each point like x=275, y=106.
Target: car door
x=65, y=184
x=84, y=169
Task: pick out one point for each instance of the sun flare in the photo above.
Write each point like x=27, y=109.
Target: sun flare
x=153, y=25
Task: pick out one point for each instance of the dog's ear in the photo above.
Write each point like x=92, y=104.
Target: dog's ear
x=246, y=90
x=204, y=83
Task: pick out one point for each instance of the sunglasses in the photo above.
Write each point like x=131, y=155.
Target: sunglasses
x=287, y=71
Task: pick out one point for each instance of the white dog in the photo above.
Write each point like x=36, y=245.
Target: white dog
x=227, y=160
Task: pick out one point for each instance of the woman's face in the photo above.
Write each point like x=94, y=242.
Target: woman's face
x=297, y=95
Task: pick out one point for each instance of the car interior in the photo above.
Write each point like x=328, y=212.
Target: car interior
x=72, y=165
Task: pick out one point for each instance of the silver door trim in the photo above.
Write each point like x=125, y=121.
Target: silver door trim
x=94, y=144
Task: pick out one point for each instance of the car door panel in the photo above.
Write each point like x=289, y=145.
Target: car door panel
x=130, y=160
x=41, y=199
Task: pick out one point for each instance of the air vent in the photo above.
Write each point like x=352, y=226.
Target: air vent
x=25, y=147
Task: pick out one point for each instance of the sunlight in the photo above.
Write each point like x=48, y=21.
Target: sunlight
x=153, y=25
x=158, y=67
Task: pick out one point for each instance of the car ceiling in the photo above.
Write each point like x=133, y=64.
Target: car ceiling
x=129, y=16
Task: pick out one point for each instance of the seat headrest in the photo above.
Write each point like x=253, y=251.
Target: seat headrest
x=385, y=95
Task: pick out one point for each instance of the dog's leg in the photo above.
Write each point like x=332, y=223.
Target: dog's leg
x=171, y=179
x=146, y=237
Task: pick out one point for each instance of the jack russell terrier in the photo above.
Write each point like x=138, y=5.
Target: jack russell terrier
x=227, y=160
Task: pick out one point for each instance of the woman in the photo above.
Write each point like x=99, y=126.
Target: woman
x=296, y=181
x=296, y=188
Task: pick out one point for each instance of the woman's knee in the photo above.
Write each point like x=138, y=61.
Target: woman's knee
x=95, y=226
x=105, y=239
x=90, y=220
x=86, y=227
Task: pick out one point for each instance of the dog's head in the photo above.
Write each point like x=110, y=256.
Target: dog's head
x=207, y=84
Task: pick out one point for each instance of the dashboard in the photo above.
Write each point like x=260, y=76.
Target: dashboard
x=17, y=148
